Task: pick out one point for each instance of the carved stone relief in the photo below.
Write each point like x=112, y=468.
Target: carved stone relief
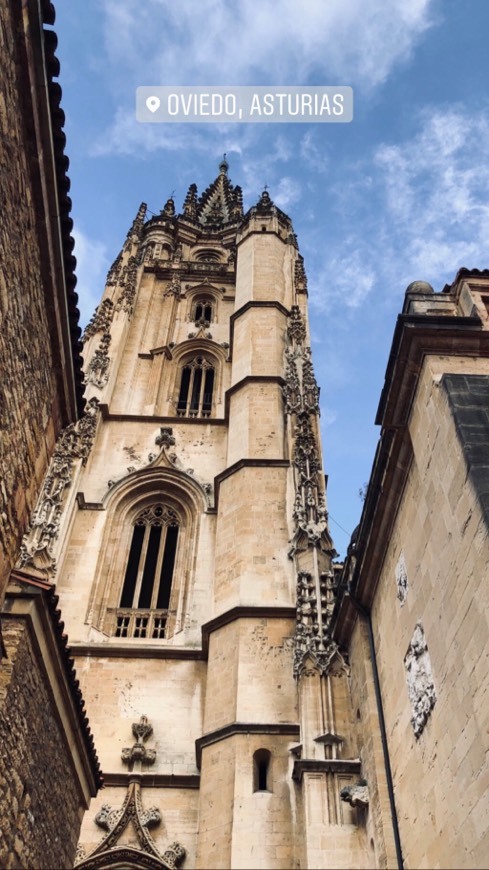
x=101, y=320
x=401, y=579
x=127, y=282
x=419, y=678
x=97, y=372
x=74, y=443
x=357, y=795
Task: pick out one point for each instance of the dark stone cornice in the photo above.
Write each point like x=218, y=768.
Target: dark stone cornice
x=330, y=765
x=152, y=780
x=246, y=463
x=243, y=612
x=258, y=303
x=285, y=729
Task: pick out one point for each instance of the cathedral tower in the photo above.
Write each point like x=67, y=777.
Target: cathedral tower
x=184, y=521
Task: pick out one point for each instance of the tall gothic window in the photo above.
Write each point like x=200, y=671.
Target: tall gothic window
x=145, y=597
x=196, y=388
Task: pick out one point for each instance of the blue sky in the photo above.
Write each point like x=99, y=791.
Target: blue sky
x=401, y=193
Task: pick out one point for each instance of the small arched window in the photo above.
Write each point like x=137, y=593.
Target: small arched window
x=196, y=388
x=149, y=574
x=203, y=311
x=208, y=256
x=262, y=770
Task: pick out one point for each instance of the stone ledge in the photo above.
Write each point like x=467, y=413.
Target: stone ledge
x=287, y=729
x=330, y=765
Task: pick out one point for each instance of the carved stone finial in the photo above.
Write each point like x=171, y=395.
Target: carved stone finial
x=165, y=439
x=139, y=752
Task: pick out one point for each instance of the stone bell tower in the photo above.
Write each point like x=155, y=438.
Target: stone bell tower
x=184, y=522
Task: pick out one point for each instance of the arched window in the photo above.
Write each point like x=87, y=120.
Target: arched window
x=146, y=591
x=261, y=770
x=208, y=256
x=196, y=388
x=203, y=310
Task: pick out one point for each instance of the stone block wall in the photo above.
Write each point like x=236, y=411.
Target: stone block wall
x=438, y=744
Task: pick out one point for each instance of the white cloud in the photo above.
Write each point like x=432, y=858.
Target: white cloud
x=286, y=192
x=92, y=265
x=280, y=41
x=423, y=214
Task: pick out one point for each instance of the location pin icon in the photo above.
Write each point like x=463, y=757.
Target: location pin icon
x=153, y=103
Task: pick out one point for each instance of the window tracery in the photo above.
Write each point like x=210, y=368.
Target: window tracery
x=146, y=591
x=195, y=395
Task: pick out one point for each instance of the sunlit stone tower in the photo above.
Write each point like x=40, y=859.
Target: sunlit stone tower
x=184, y=521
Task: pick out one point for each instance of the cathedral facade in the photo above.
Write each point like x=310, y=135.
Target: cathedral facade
x=184, y=522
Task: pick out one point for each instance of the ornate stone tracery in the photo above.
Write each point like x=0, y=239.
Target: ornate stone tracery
x=315, y=591
x=74, y=443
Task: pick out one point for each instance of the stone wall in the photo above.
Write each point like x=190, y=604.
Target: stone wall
x=29, y=418
x=38, y=346
x=435, y=699
x=41, y=826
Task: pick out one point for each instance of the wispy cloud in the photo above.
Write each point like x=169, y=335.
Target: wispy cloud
x=423, y=213
x=280, y=41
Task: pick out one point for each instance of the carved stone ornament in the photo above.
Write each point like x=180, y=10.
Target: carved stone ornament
x=419, y=678
x=313, y=646
x=165, y=439
x=315, y=592
x=97, y=372
x=127, y=282
x=108, y=853
x=356, y=795
x=143, y=729
x=74, y=443
x=175, y=286
x=101, y=320
x=401, y=579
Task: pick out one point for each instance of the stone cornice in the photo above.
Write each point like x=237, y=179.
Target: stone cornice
x=286, y=729
x=246, y=463
x=258, y=303
x=153, y=780
x=243, y=612
x=330, y=765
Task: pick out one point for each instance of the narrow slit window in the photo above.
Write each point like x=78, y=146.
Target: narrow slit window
x=261, y=770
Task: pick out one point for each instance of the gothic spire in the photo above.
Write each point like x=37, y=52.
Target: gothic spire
x=221, y=203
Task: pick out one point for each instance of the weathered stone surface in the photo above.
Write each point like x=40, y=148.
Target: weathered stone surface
x=39, y=797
